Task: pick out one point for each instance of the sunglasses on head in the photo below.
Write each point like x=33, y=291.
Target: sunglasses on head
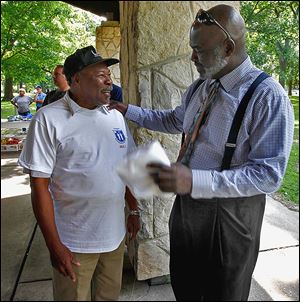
x=205, y=18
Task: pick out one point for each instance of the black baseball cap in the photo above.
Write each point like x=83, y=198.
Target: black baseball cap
x=82, y=58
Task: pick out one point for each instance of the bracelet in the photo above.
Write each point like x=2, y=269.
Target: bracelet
x=134, y=212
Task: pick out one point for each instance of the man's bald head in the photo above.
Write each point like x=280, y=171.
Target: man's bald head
x=230, y=19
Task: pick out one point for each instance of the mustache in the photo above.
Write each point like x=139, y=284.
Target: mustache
x=107, y=89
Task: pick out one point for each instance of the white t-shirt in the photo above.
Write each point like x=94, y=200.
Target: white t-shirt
x=80, y=150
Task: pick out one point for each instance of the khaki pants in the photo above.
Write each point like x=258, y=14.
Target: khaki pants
x=99, y=277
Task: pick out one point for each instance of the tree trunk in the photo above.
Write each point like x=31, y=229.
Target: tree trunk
x=290, y=86
x=282, y=81
x=283, y=68
x=8, y=89
x=283, y=61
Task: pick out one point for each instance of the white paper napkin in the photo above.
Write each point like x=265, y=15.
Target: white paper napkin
x=134, y=173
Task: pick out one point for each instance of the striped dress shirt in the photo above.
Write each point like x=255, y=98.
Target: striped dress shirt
x=263, y=144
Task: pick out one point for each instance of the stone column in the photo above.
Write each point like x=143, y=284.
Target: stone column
x=108, y=45
x=155, y=71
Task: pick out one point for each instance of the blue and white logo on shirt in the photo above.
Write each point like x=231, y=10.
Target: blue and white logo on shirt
x=119, y=136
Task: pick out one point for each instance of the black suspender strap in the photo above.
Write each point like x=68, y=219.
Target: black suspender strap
x=200, y=81
x=237, y=121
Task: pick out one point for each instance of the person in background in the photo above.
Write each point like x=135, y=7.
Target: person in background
x=39, y=97
x=116, y=93
x=216, y=219
x=72, y=150
x=60, y=82
x=22, y=103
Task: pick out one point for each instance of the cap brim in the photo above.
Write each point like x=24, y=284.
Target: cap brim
x=108, y=61
x=111, y=61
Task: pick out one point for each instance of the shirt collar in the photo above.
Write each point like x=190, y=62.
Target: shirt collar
x=75, y=108
x=229, y=80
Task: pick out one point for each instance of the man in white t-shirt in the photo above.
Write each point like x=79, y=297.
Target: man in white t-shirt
x=72, y=149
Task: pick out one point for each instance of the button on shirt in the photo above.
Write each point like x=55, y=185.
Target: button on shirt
x=80, y=150
x=263, y=144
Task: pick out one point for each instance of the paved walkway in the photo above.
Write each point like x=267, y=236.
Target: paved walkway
x=25, y=266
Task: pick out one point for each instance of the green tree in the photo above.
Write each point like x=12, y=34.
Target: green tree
x=37, y=35
x=273, y=38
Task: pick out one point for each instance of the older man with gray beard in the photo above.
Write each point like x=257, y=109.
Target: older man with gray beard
x=239, y=131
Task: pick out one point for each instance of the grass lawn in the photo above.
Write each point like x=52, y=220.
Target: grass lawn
x=289, y=189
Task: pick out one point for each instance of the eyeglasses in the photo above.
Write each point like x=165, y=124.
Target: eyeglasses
x=205, y=18
x=55, y=75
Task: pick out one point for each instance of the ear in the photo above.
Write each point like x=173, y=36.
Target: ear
x=229, y=47
x=76, y=78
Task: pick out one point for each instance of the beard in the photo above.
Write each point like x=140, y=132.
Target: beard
x=220, y=63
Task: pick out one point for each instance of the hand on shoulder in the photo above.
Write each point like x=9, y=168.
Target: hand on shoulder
x=118, y=106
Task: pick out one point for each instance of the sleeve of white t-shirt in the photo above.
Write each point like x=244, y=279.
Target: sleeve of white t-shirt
x=39, y=152
x=36, y=173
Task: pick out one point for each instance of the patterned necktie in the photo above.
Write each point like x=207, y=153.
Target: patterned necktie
x=199, y=119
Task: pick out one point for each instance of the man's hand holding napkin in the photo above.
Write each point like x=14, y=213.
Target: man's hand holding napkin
x=147, y=171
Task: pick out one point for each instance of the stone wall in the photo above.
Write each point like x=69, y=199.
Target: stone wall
x=108, y=38
x=155, y=71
